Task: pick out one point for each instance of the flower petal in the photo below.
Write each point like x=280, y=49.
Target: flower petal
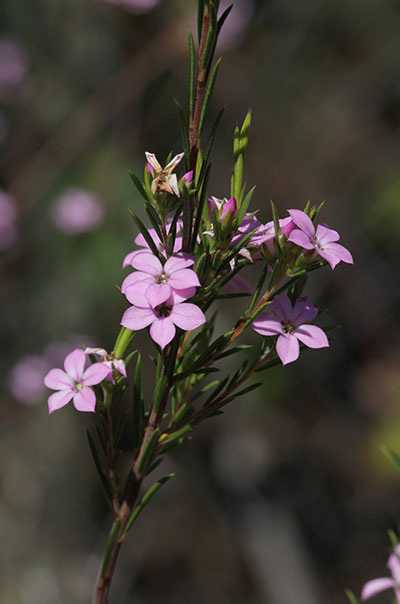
x=74, y=363
x=173, y=163
x=183, y=279
x=95, y=374
x=157, y=293
x=312, y=336
x=394, y=564
x=326, y=235
x=152, y=160
x=147, y=263
x=303, y=311
x=171, y=185
x=59, y=399
x=162, y=331
x=329, y=256
x=267, y=325
x=85, y=400
x=129, y=257
x=374, y=587
x=282, y=307
x=137, y=318
x=177, y=263
x=136, y=294
x=187, y=316
x=340, y=251
x=135, y=278
x=288, y=349
x=303, y=221
x=180, y=295
x=57, y=379
x=300, y=239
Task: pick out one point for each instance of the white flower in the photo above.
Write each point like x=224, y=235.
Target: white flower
x=163, y=179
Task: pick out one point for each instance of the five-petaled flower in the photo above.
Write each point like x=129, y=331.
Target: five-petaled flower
x=321, y=239
x=141, y=241
x=74, y=383
x=163, y=318
x=153, y=283
x=374, y=587
x=163, y=178
x=291, y=325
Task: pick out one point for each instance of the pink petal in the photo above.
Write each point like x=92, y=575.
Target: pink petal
x=267, y=325
x=301, y=239
x=136, y=278
x=394, y=564
x=119, y=365
x=288, y=349
x=340, y=251
x=157, y=293
x=183, y=279
x=312, y=336
x=238, y=284
x=147, y=263
x=326, y=235
x=229, y=206
x=282, y=307
x=137, y=318
x=95, y=374
x=141, y=241
x=74, y=363
x=374, y=587
x=287, y=226
x=129, y=257
x=136, y=293
x=181, y=295
x=303, y=311
x=303, y=221
x=162, y=331
x=187, y=316
x=85, y=400
x=59, y=399
x=57, y=379
x=177, y=263
x=329, y=256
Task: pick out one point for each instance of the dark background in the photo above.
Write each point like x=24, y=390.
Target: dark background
x=287, y=498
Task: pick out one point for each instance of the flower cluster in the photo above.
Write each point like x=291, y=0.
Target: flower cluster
x=158, y=292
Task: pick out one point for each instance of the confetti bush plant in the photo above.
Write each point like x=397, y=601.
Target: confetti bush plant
x=193, y=251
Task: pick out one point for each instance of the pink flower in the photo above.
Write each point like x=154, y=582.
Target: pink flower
x=77, y=211
x=376, y=586
x=25, y=381
x=289, y=324
x=8, y=215
x=163, y=318
x=74, y=383
x=108, y=361
x=141, y=241
x=222, y=207
x=153, y=283
x=14, y=63
x=265, y=234
x=321, y=239
x=135, y=6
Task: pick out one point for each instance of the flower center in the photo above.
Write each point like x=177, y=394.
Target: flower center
x=316, y=243
x=78, y=386
x=163, y=310
x=163, y=278
x=288, y=327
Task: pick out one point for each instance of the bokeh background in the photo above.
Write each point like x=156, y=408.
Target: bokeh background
x=287, y=498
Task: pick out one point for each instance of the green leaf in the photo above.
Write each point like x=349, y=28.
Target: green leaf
x=207, y=96
x=139, y=186
x=97, y=463
x=110, y=544
x=182, y=414
x=394, y=540
x=148, y=452
x=122, y=342
x=200, y=207
x=392, y=457
x=244, y=205
x=146, y=235
x=192, y=85
x=274, y=274
x=223, y=18
x=138, y=404
x=259, y=287
x=216, y=392
x=275, y=217
x=351, y=596
x=144, y=501
x=177, y=434
x=234, y=350
x=184, y=132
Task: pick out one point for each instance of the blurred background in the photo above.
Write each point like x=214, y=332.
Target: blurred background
x=288, y=497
